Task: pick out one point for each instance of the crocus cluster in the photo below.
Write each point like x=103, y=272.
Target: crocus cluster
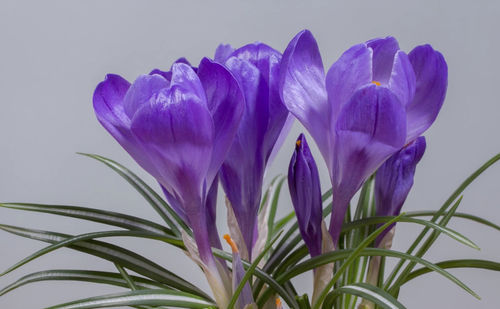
x=191, y=127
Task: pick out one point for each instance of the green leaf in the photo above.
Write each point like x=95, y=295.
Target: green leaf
x=463, y=263
x=272, y=227
x=75, y=239
x=264, y=277
x=94, y=215
x=447, y=231
x=81, y=275
x=422, y=250
x=456, y=215
x=250, y=271
x=339, y=255
x=366, y=291
x=113, y=253
x=352, y=257
x=160, y=206
x=439, y=213
x=162, y=297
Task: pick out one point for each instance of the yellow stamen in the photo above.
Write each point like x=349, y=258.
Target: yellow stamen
x=376, y=83
x=231, y=243
x=278, y=303
x=297, y=143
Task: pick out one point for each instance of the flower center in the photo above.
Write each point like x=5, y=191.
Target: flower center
x=375, y=82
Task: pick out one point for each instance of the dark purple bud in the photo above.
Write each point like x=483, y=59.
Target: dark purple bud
x=395, y=178
x=305, y=190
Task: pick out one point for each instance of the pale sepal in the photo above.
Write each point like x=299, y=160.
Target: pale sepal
x=262, y=225
x=374, y=267
x=235, y=232
x=217, y=283
x=324, y=273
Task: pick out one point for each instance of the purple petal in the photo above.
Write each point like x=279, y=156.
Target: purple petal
x=168, y=74
x=226, y=103
x=302, y=88
x=174, y=203
x=431, y=74
x=108, y=106
x=395, y=178
x=402, y=80
x=370, y=128
x=139, y=93
x=351, y=71
x=267, y=60
x=305, y=191
x=383, y=57
x=281, y=138
x=176, y=131
x=211, y=210
x=223, y=52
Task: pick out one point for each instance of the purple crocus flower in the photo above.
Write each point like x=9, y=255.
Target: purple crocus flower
x=394, y=180
x=179, y=128
x=262, y=129
x=374, y=99
x=305, y=191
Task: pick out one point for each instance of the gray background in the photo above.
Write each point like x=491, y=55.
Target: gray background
x=53, y=53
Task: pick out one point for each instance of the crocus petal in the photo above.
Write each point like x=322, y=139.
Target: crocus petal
x=402, y=80
x=242, y=172
x=369, y=129
x=211, y=209
x=383, y=57
x=281, y=138
x=226, y=103
x=394, y=179
x=223, y=52
x=168, y=74
x=431, y=74
x=267, y=60
x=108, y=107
x=141, y=91
x=302, y=88
x=305, y=191
x=351, y=71
x=175, y=204
x=176, y=131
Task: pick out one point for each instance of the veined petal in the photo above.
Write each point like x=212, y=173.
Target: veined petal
x=108, y=106
x=402, y=80
x=141, y=91
x=394, y=179
x=370, y=128
x=383, y=57
x=176, y=131
x=226, y=103
x=431, y=74
x=267, y=60
x=350, y=72
x=302, y=88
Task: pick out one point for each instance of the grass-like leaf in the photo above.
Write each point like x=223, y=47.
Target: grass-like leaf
x=250, y=271
x=95, y=215
x=462, y=215
x=352, y=257
x=366, y=291
x=114, y=254
x=161, y=297
x=75, y=239
x=101, y=277
x=160, y=206
x=462, y=263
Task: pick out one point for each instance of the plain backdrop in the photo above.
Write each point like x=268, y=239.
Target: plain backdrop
x=53, y=54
